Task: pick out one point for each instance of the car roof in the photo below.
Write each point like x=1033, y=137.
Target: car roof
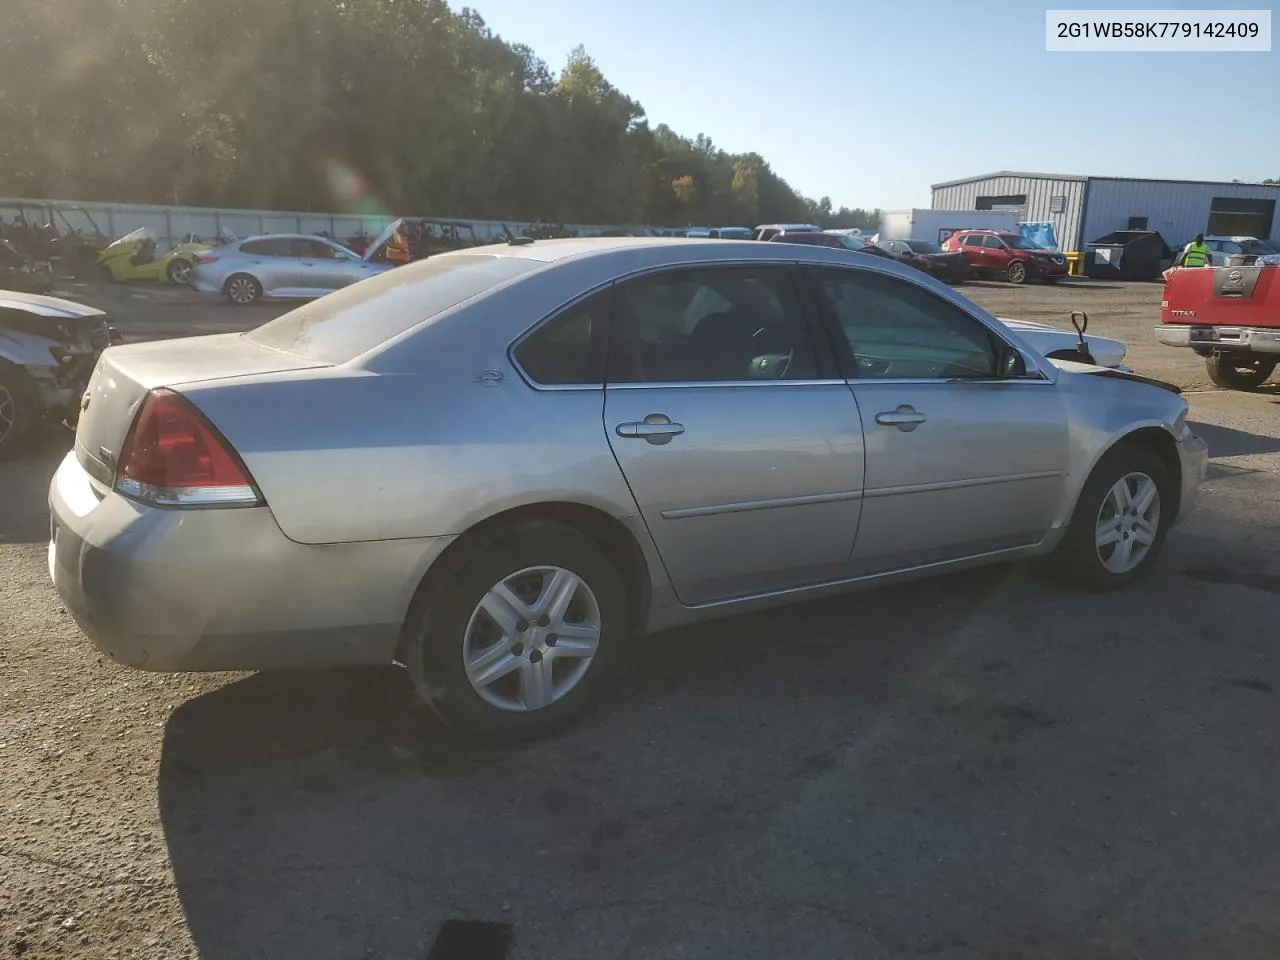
x=46, y=306
x=290, y=236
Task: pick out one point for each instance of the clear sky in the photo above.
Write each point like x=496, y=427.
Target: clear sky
x=871, y=101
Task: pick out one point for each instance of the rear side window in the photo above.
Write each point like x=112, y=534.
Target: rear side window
x=569, y=350
x=354, y=320
x=972, y=240
x=265, y=248
x=993, y=242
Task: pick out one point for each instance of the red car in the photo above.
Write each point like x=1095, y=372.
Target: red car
x=1009, y=256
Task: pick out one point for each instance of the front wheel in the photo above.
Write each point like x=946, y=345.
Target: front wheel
x=1017, y=272
x=1120, y=521
x=19, y=410
x=1239, y=371
x=520, y=640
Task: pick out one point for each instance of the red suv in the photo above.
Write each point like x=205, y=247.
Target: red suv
x=1007, y=255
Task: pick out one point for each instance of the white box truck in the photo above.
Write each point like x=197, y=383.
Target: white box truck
x=937, y=225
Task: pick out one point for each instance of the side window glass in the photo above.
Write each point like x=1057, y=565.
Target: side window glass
x=568, y=349
x=258, y=248
x=710, y=326
x=972, y=241
x=898, y=330
x=993, y=242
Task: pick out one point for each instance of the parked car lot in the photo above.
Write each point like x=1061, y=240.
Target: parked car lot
x=984, y=765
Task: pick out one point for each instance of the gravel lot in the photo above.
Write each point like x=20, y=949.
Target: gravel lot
x=983, y=766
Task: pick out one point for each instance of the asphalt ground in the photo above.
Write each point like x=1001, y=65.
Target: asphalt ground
x=987, y=765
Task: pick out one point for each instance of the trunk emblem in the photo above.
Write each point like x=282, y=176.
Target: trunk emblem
x=489, y=378
x=1235, y=276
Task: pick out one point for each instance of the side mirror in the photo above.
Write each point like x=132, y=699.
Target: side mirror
x=1011, y=364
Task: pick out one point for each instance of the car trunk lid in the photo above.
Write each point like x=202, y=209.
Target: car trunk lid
x=125, y=374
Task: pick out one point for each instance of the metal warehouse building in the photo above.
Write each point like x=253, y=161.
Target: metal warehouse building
x=1082, y=209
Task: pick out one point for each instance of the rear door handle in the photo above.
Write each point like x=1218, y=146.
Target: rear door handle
x=656, y=428
x=906, y=418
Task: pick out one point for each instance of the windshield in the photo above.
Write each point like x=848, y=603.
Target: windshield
x=1259, y=248
x=340, y=327
x=1019, y=243
x=923, y=246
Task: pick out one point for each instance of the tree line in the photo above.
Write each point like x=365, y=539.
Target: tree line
x=379, y=106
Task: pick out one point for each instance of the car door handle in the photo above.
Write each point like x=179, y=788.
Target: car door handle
x=906, y=418
x=656, y=428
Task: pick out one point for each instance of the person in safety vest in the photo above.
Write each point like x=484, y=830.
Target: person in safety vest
x=1197, y=252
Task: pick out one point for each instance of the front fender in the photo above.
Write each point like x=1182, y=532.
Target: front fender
x=1104, y=412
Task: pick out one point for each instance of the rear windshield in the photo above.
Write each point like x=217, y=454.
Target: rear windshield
x=352, y=321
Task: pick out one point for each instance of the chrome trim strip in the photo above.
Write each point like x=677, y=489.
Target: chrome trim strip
x=864, y=578
x=743, y=506
x=685, y=384
x=959, y=484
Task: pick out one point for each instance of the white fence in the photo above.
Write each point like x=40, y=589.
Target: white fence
x=113, y=220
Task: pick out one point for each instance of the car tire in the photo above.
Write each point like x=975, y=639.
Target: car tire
x=451, y=626
x=1017, y=272
x=179, y=271
x=1239, y=371
x=19, y=410
x=1088, y=555
x=242, y=289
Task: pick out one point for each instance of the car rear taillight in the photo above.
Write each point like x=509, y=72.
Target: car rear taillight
x=174, y=457
x=206, y=259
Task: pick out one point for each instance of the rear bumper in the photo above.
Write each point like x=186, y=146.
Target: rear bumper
x=1248, y=339
x=178, y=590
x=1193, y=455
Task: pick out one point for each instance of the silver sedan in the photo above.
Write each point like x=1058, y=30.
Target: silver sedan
x=496, y=467
x=280, y=266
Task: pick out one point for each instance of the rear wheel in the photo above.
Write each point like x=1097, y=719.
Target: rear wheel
x=1239, y=371
x=180, y=271
x=520, y=640
x=242, y=289
x=1017, y=272
x=1120, y=521
x=19, y=410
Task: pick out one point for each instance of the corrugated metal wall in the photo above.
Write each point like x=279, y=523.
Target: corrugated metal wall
x=1040, y=193
x=1177, y=210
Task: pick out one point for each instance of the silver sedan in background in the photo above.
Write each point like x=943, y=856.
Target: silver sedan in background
x=280, y=266
x=497, y=466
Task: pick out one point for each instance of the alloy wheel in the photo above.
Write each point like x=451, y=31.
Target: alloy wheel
x=242, y=290
x=180, y=272
x=531, y=638
x=1128, y=522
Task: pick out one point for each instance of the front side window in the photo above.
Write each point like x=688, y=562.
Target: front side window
x=713, y=325
x=897, y=330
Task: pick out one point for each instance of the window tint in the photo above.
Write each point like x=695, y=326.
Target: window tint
x=313, y=250
x=995, y=243
x=354, y=320
x=1230, y=246
x=568, y=349
x=895, y=329
x=264, y=248
x=972, y=240
x=712, y=325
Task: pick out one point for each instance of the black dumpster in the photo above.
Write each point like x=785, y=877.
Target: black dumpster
x=1126, y=255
